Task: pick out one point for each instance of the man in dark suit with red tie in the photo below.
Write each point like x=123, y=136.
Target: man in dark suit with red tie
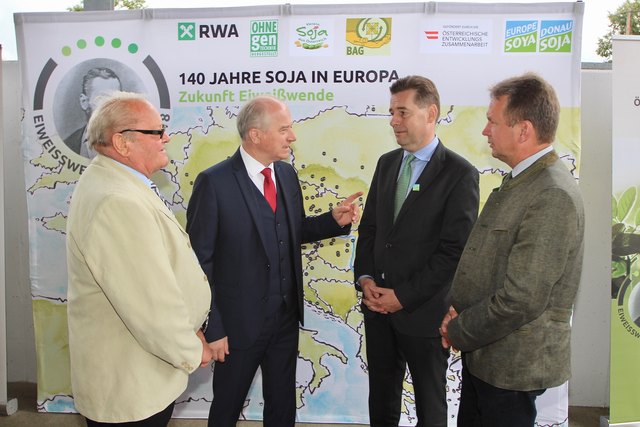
x=420, y=208
x=246, y=221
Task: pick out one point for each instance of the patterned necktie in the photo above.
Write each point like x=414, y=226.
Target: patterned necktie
x=505, y=180
x=402, y=187
x=269, y=188
x=155, y=189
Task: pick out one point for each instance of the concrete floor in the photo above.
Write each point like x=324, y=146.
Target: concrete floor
x=28, y=417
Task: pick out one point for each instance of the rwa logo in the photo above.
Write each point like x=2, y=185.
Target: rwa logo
x=188, y=31
x=539, y=36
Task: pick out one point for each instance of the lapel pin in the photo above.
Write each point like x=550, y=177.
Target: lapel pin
x=416, y=187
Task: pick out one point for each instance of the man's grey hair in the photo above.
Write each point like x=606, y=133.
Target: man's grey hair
x=115, y=112
x=255, y=114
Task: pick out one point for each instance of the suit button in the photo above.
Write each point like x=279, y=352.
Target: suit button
x=268, y=266
x=388, y=245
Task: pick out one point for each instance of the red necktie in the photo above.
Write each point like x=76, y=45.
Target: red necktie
x=269, y=188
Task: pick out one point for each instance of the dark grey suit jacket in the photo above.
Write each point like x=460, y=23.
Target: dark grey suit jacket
x=418, y=254
x=517, y=280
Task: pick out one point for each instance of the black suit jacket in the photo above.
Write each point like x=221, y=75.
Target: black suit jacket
x=418, y=254
x=224, y=226
x=74, y=141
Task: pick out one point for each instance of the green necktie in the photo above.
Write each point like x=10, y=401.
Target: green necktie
x=402, y=187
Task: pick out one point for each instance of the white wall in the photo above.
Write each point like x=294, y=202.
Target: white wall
x=591, y=331
x=3, y=348
x=590, y=359
x=21, y=353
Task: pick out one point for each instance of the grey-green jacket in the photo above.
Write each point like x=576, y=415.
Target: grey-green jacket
x=517, y=280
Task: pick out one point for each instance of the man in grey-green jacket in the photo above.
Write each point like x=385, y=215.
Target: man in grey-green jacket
x=514, y=288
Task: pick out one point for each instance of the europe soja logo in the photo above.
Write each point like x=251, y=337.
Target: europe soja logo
x=556, y=36
x=521, y=36
x=538, y=36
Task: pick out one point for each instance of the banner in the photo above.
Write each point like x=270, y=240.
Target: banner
x=625, y=246
x=333, y=65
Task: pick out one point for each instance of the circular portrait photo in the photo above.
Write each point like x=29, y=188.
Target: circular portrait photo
x=76, y=95
x=634, y=305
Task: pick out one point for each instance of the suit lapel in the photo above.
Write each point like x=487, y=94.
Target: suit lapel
x=387, y=181
x=287, y=189
x=246, y=187
x=284, y=190
x=540, y=164
x=138, y=186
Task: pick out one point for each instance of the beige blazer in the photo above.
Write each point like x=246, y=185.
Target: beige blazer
x=136, y=297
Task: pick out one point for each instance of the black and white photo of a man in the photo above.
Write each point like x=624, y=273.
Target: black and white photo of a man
x=77, y=93
x=96, y=82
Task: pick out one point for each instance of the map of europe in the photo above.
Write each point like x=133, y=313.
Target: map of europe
x=335, y=155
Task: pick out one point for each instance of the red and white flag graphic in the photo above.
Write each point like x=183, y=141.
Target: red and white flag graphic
x=432, y=35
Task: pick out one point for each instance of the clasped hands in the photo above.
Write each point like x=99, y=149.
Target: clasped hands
x=380, y=300
x=384, y=301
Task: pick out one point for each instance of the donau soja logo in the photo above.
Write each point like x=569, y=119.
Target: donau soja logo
x=545, y=36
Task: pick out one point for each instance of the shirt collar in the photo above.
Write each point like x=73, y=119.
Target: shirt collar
x=254, y=167
x=520, y=167
x=425, y=153
x=136, y=173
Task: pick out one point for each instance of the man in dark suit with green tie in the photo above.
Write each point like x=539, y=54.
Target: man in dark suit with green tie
x=420, y=208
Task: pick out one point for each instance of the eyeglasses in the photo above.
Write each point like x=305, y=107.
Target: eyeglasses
x=148, y=131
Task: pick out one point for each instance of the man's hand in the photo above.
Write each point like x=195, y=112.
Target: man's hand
x=444, y=327
x=380, y=300
x=220, y=349
x=206, y=350
x=347, y=211
x=367, y=294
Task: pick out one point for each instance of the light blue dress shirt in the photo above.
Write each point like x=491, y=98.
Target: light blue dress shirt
x=423, y=156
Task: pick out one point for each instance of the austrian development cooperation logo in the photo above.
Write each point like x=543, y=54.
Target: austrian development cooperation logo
x=546, y=36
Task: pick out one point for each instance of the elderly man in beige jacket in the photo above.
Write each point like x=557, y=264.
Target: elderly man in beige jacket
x=137, y=297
